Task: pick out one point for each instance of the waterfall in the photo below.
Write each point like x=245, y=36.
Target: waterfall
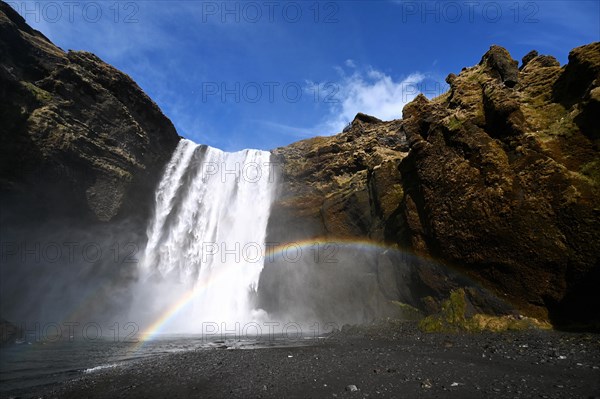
x=208, y=233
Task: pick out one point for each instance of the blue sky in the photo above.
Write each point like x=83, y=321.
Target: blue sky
x=245, y=74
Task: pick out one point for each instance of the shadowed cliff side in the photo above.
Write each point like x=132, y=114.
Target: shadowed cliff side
x=79, y=138
x=81, y=151
x=500, y=181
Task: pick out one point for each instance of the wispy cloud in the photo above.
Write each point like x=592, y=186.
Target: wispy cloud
x=372, y=92
x=292, y=131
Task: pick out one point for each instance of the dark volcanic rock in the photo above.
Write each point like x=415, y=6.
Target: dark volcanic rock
x=366, y=118
x=344, y=187
x=81, y=151
x=540, y=60
x=78, y=137
x=528, y=57
x=578, y=88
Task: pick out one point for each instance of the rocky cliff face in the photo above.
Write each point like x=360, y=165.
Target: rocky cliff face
x=79, y=137
x=81, y=151
x=346, y=185
x=497, y=178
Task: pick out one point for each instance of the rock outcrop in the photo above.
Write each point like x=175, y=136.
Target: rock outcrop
x=330, y=183
x=498, y=178
x=79, y=138
x=340, y=191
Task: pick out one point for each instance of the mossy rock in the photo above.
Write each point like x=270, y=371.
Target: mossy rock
x=452, y=319
x=592, y=171
x=454, y=123
x=40, y=95
x=482, y=322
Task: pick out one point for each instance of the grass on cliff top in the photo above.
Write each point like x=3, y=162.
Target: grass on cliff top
x=452, y=319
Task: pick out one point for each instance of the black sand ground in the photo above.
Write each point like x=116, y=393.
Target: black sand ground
x=402, y=364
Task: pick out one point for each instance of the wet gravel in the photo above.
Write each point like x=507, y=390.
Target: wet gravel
x=403, y=363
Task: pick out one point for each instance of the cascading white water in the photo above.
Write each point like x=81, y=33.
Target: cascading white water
x=208, y=233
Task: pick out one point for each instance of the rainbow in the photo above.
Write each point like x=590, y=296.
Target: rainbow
x=271, y=253
x=289, y=251
x=158, y=325
x=326, y=246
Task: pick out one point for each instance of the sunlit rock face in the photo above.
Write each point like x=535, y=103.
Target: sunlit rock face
x=497, y=178
x=345, y=185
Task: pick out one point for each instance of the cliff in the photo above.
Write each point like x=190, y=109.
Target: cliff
x=79, y=138
x=497, y=180
x=81, y=151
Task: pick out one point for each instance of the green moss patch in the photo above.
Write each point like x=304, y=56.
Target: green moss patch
x=451, y=318
x=40, y=94
x=454, y=123
x=592, y=171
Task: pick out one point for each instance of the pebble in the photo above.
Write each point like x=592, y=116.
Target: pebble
x=351, y=388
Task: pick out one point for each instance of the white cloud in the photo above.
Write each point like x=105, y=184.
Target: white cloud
x=350, y=63
x=371, y=92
